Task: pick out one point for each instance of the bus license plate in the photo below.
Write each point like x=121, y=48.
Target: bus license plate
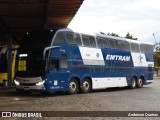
x=26, y=88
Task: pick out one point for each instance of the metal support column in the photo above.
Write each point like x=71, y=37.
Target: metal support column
x=9, y=57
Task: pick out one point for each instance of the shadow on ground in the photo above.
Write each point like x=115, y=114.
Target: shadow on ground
x=11, y=92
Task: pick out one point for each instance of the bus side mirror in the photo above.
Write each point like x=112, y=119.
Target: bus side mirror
x=49, y=48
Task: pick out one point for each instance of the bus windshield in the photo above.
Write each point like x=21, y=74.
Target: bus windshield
x=32, y=46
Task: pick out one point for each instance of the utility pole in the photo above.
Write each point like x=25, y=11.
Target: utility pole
x=156, y=45
x=154, y=38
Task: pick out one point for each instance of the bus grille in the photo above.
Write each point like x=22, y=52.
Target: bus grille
x=28, y=84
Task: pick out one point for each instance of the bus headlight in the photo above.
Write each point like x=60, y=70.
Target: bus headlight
x=40, y=83
x=16, y=82
x=23, y=55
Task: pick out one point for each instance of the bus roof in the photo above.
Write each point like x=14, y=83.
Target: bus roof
x=123, y=39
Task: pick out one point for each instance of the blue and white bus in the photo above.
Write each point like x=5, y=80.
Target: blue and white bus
x=62, y=60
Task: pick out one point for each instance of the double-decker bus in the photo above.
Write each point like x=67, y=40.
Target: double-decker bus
x=62, y=60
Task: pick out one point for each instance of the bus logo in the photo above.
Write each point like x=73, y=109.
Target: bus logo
x=118, y=57
x=97, y=55
x=6, y=114
x=140, y=57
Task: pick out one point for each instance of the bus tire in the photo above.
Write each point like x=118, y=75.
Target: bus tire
x=86, y=86
x=140, y=82
x=134, y=82
x=73, y=86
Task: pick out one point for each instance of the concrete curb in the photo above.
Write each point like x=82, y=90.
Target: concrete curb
x=157, y=78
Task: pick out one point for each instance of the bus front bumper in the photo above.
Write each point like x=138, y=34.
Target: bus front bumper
x=149, y=82
x=36, y=87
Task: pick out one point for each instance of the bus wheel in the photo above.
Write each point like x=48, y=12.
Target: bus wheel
x=140, y=82
x=86, y=87
x=134, y=83
x=73, y=86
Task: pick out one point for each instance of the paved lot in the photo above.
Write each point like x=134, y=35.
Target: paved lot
x=117, y=99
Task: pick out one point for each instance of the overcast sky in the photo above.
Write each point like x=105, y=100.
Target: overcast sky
x=141, y=18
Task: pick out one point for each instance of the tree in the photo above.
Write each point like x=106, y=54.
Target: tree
x=157, y=47
x=102, y=33
x=110, y=34
x=156, y=61
x=113, y=34
x=129, y=36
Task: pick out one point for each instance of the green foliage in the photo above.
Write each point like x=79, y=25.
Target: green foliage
x=157, y=59
x=113, y=34
x=103, y=33
x=129, y=36
x=157, y=47
x=157, y=56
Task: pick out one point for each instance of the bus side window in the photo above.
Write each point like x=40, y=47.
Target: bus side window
x=54, y=65
x=105, y=44
x=77, y=39
x=135, y=47
x=112, y=43
x=146, y=48
x=127, y=46
x=100, y=42
x=70, y=38
x=116, y=45
x=92, y=41
x=85, y=40
x=64, y=61
x=123, y=45
x=59, y=38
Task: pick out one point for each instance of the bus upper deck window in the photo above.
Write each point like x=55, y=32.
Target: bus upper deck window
x=70, y=38
x=85, y=40
x=92, y=41
x=105, y=44
x=146, y=48
x=73, y=39
x=123, y=45
x=77, y=39
x=59, y=38
x=127, y=46
x=100, y=42
x=135, y=47
x=112, y=43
